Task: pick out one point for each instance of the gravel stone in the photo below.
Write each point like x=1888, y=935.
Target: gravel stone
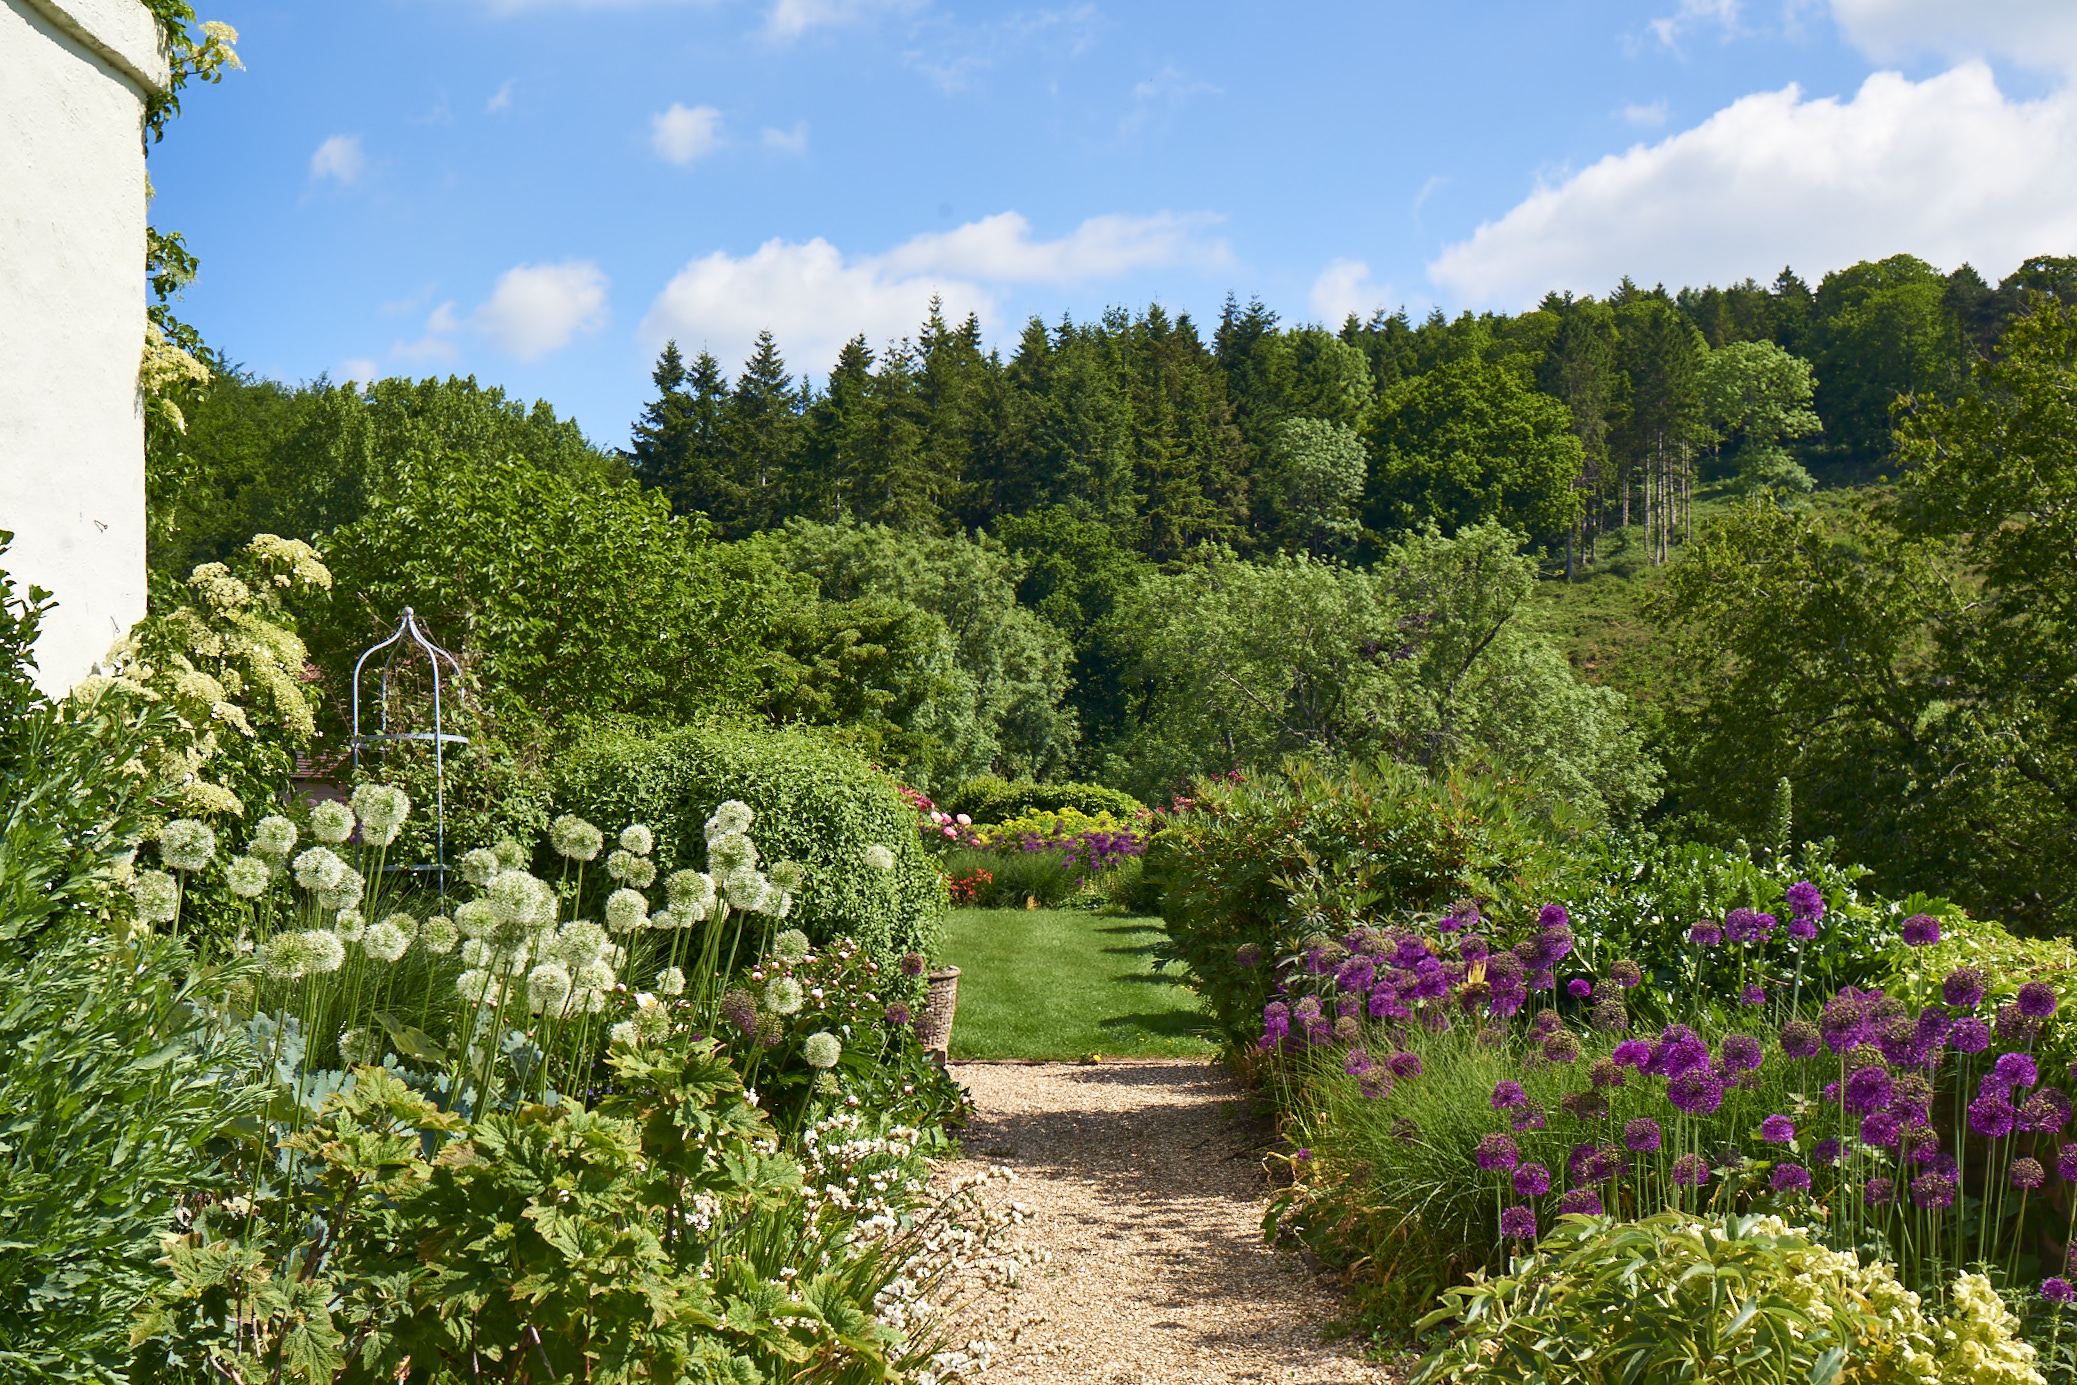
x=1145, y=1181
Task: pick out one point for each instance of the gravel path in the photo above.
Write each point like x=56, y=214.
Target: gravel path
x=1145, y=1183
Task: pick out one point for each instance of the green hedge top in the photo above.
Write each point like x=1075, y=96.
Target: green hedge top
x=815, y=803
x=990, y=800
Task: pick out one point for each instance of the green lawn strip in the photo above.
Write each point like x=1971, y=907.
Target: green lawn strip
x=1062, y=983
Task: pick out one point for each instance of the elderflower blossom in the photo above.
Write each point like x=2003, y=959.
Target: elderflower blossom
x=331, y=822
x=247, y=876
x=185, y=844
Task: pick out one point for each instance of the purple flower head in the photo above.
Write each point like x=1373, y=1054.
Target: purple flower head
x=1359, y=1063
x=1580, y=1202
x=1605, y=1072
x=1969, y=1036
x=1506, y=1003
x=1696, y=1092
x=1579, y=988
x=1933, y=1190
x=1508, y=1094
x=1473, y=949
x=1678, y=1050
x=1992, y=1117
x=898, y=1015
x=2057, y=1290
x=1962, y=988
x=1741, y=926
x=1404, y=1064
x=1532, y=1180
x=1518, y=1223
x=1920, y=1144
x=1552, y=916
x=1826, y=1151
x=1880, y=1129
x=1307, y=1008
x=1806, y=901
x=1830, y=1091
x=1931, y=1029
x=2017, y=1069
x=1867, y=1089
x=1803, y=930
x=912, y=964
x=1543, y=981
x=1625, y=973
x=2036, y=1000
x=1753, y=994
x=1545, y=1023
x=1799, y=1039
x=1301, y=1156
x=1764, y=926
x=1583, y=1156
x=1705, y=934
x=2027, y=1173
x=1356, y=974
x=1561, y=1047
x=1791, y=1178
x=1609, y=1016
x=2016, y=1026
x=1503, y=969
x=1921, y=930
x=1632, y=1053
x=1375, y=1084
x=1248, y=954
x=2066, y=1163
x=1879, y=1191
x=1739, y=1053
x=1641, y=1136
x=1530, y=1117
x=1496, y=1154
x=1691, y=1170
x=1777, y=1130
x=1411, y=952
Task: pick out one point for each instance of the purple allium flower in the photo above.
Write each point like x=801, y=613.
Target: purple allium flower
x=1496, y=1154
x=1880, y=1129
x=1802, y=930
x=1605, y=1072
x=1580, y=1202
x=1532, y=1180
x=1992, y=1116
x=1696, y=1092
x=1503, y=969
x=1879, y=1191
x=1411, y=952
x=1691, y=1170
x=1404, y=1064
x=1969, y=1036
x=1753, y=994
x=2016, y=1026
x=1763, y=926
x=1473, y=949
x=1867, y=1089
x=2027, y=1173
x=1356, y=974
x=1276, y=1019
x=2017, y=1069
x=1301, y=1156
x=1518, y=1223
x=1830, y=1091
x=1739, y=1053
x=1589, y=1105
x=1963, y=988
x=1530, y=1117
x=1921, y=930
x=1507, y=1094
x=1791, y=1178
x=1543, y=981
x=1741, y=926
x=1641, y=1136
x=1248, y=954
x=1799, y=1039
x=1678, y=1050
x=1552, y=916
x=1805, y=900
x=1609, y=1016
x=1582, y=1163
x=1920, y=1144
x=1545, y=1023
x=1561, y=1047
x=1933, y=1191
x=1375, y=1084
x=912, y=964
x=739, y=1009
x=1826, y=1151
x=1625, y=973
x=2066, y=1163
x=1777, y=1130
x=2057, y=1290
x=1579, y=988
x=1632, y=1053
x=898, y=1015
x=1359, y=1063
x=1705, y=934
x=2036, y=1000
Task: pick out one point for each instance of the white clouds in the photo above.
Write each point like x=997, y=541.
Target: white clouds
x=790, y=19
x=814, y=298
x=1171, y=85
x=358, y=371
x=1652, y=115
x=1344, y=287
x=1947, y=169
x=2037, y=33
x=339, y=159
x=501, y=99
x=794, y=141
x=681, y=135
x=536, y=309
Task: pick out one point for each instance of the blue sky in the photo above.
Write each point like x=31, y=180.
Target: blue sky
x=539, y=192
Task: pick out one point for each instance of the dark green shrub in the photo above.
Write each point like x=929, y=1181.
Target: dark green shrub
x=816, y=803
x=990, y=800
x=1130, y=886
x=1017, y=877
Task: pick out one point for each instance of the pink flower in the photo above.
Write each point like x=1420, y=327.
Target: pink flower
x=951, y=831
x=963, y=820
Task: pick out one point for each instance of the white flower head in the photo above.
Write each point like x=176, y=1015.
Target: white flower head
x=575, y=838
x=821, y=1049
x=732, y=818
x=475, y=918
x=616, y=956
x=691, y=892
x=403, y=923
x=548, y=988
x=670, y=981
x=324, y=952
x=475, y=953
x=385, y=942
x=319, y=869
x=788, y=875
x=475, y=985
x=626, y=909
x=515, y=897
x=652, y=1023
x=274, y=835
x=783, y=996
x=782, y=908
x=746, y=889
x=344, y=894
x=382, y=809
x=349, y=925
x=511, y=855
x=579, y=942
x=479, y=866
x=357, y=1047
x=158, y=896
x=640, y=872
x=185, y=844
x=331, y=822
x=791, y=944
x=513, y=960
x=248, y=876
x=625, y=1033
x=439, y=935
x=595, y=975
x=637, y=839
x=879, y=857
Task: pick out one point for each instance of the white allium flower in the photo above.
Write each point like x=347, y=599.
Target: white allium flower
x=479, y=866
x=617, y=864
x=158, y=896
x=595, y=975
x=616, y=956
x=513, y=961
x=625, y=909
x=380, y=834
x=746, y=889
x=782, y=995
x=624, y=1033
x=588, y=999
x=792, y=944
x=579, y=942
x=515, y=897
x=879, y=857
x=475, y=953
x=474, y=985
x=731, y=818
x=350, y=925
x=381, y=808
x=274, y=835
x=346, y=893
x=788, y=875
x=783, y=908
x=438, y=936
x=247, y=876
x=821, y=1049
x=548, y=988
x=403, y=923
x=511, y=855
x=185, y=844
x=475, y=918
x=331, y=822
x=283, y=958
x=641, y=872
x=385, y=942
x=730, y=853
x=357, y=1047
x=575, y=838
x=670, y=981
x=690, y=892
x=324, y=951
x=319, y=869
x=652, y=1023
x=637, y=839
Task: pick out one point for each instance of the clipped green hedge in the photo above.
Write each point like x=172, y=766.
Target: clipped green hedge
x=990, y=800
x=816, y=803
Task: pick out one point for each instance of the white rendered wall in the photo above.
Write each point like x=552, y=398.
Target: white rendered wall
x=72, y=78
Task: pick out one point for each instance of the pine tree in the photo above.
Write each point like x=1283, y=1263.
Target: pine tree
x=762, y=428
x=678, y=447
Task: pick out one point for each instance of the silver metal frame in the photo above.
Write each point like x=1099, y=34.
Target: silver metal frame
x=438, y=736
